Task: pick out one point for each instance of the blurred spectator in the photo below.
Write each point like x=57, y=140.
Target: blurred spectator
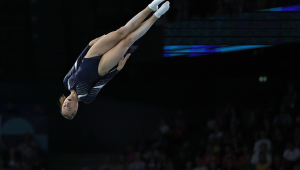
x=217, y=135
x=40, y=164
x=209, y=156
x=216, y=148
x=199, y=164
x=291, y=155
x=29, y=158
x=212, y=165
x=278, y=163
x=263, y=163
x=107, y=164
x=17, y=166
x=27, y=145
x=161, y=137
x=163, y=162
x=189, y=165
x=121, y=165
x=230, y=115
x=290, y=97
x=262, y=150
x=211, y=122
x=225, y=143
x=220, y=120
x=138, y=163
x=179, y=124
x=233, y=135
x=130, y=155
x=229, y=165
x=283, y=119
x=278, y=140
x=263, y=139
x=170, y=165
x=250, y=127
x=13, y=157
x=180, y=160
x=245, y=157
x=187, y=149
x=151, y=160
x=163, y=126
x=245, y=161
x=201, y=148
x=141, y=142
x=228, y=155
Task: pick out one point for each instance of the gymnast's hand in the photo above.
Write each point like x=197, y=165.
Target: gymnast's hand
x=95, y=40
x=122, y=62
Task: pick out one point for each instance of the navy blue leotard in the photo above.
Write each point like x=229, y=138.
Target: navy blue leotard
x=84, y=78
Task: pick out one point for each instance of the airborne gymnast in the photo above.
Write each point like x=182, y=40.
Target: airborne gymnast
x=95, y=65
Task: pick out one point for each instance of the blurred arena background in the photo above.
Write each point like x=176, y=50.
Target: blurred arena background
x=212, y=86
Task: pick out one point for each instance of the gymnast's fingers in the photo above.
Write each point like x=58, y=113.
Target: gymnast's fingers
x=127, y=56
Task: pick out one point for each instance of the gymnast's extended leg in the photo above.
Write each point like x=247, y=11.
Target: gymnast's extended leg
x=113, y=56
x=106, y=42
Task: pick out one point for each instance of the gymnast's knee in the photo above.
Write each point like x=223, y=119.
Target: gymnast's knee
x=122, y=31
x=128, y=41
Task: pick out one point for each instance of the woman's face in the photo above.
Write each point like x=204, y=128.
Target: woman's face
x=69, y=106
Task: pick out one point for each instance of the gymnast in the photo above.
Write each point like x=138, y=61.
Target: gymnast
x=103, y=58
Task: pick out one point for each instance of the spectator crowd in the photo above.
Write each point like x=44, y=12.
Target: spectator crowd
x=26, y=155
x=265, y=137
